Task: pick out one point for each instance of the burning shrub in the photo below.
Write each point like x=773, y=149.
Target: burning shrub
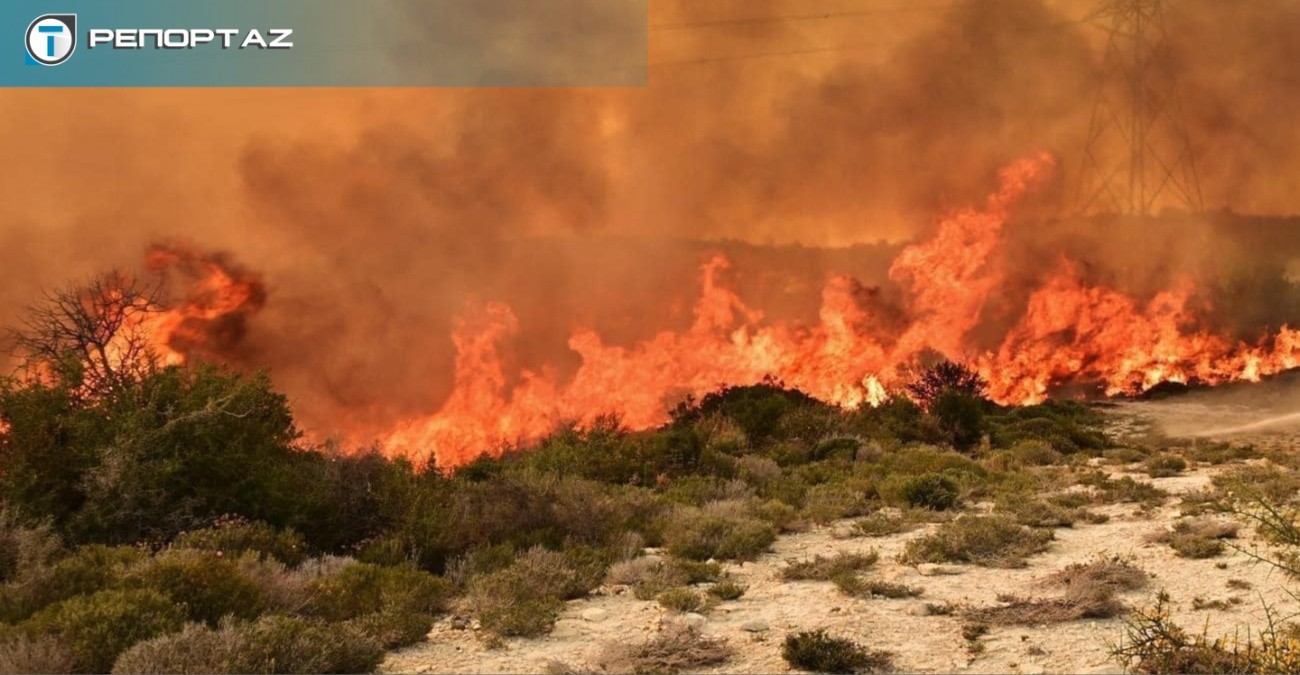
x=991, y=541
x=232, y=537
x=100, y=626
x=698, y=535
x=208, y=587
x=818, y=652
x=272, y=644
x=932, y=491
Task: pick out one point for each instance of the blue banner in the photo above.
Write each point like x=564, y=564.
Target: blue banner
x=323, y=43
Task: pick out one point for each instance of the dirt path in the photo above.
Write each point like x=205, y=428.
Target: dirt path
x=757, y=623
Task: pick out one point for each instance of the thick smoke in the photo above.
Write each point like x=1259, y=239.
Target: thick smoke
x=375, y=216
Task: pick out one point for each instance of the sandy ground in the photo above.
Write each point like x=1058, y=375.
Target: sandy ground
x=756, y=623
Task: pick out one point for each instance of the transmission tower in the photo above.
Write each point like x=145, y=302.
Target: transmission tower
x=1137, y=113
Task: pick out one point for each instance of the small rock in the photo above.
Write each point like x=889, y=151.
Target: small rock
x=755, y=626
x=919, y=609
x=595, y=614
x=459, y=622
x=1032, y=669
x=1108, y=669
x=693, y=620
x=933, y=570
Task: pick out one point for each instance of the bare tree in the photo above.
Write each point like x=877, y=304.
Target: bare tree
x=94, y=338
x=945, y=376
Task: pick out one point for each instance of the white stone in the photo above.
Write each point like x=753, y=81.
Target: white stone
x=933, y=570
x=594, y=614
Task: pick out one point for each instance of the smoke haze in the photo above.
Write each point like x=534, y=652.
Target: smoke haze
x=802, y=148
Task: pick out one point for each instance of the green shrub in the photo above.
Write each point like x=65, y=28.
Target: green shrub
x=393, y=629
x=683, y=600
x=932, y=491
x=728, y=590
x=991, y=541
x=527, y=597
x=361, y=588
x=85, y=570
x=701, y=536
x=100, y=626
x=233, y=537
x=825, y=503
x=272, y=644
x=647, y=576
x=818, y=652
x=208, y=587
x=696, y=572
x=1163, y=466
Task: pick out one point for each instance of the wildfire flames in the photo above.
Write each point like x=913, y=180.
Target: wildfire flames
x=855, y=354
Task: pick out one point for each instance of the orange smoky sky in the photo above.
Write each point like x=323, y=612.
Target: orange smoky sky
x=814, y=125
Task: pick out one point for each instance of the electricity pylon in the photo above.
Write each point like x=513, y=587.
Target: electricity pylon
x=1137, y=112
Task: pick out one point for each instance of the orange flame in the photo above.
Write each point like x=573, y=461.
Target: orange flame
x=1069, y=332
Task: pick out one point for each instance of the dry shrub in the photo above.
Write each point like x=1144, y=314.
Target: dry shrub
x=1114, y=573
x=24, y=548
x=1198, y=538
x=990, y=541
x=22, y=654
x=527, y=597
x=648, y=576
x=1045, y=513
x=674, y=650
x=881, y=524
x=825, y=503
x=720, y=530
x=392, y=628
x=1097, y=602
x=207, y=586
x=1164, y=466
x=1089, y=593
x=818, y=652
x=855, y=586
x=1123, y=490
x=1154, y=644
x=272, y=644
x=825, y=568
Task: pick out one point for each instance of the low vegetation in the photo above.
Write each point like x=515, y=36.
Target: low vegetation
x=187, y=519
x=989, y=541
x=676, y=649
x=819, y=652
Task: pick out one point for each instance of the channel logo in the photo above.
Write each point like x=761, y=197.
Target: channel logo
x=51, y=39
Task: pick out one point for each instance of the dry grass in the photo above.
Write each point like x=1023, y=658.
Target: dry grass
x=674, y=650
x=819, y=652
x=1114, y=573
x=825, y=568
